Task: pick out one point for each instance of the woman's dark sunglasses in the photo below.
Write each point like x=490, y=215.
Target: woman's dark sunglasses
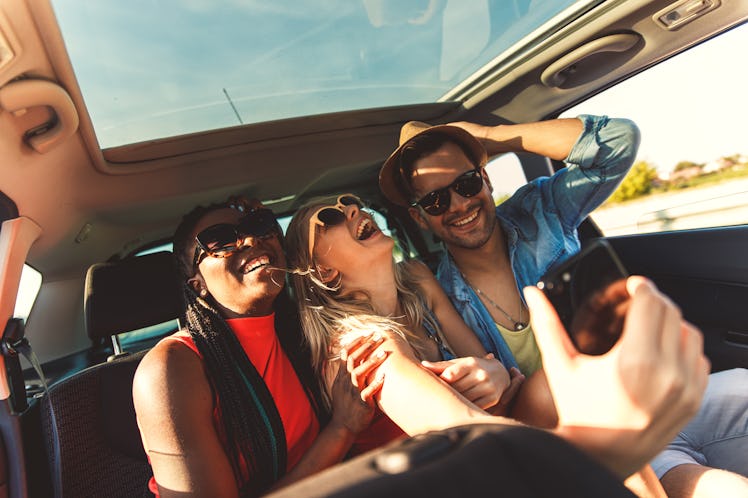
x=331, y=215
x=224, y=239
x=437, y=202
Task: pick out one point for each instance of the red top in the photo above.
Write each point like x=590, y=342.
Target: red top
x=260, y=342
x=381, y=431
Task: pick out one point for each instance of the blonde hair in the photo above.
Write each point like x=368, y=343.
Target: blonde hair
x=329, y=318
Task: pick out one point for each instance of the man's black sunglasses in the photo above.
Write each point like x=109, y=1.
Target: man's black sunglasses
x=437, y=202
x=224, y=239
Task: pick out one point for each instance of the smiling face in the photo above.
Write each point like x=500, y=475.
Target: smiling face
x=468, y=222
x=352, y=248
x=246, y=282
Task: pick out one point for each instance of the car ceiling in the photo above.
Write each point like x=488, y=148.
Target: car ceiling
x=93, y=204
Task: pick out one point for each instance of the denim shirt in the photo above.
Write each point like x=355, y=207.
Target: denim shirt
x=540, y=220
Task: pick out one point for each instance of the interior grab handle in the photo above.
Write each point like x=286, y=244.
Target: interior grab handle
x=18, y=96
x=556, y=74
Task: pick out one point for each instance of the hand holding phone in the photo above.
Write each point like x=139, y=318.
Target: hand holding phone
x=589, y=294
x=625, y=405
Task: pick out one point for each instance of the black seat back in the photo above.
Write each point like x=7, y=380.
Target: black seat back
x=92, y=440
x=88, y=420
x=130, y=294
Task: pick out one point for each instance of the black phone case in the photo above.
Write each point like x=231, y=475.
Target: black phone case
x=571, y=283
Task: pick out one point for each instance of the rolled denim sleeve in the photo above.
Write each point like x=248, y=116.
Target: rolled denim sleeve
x=597, y=163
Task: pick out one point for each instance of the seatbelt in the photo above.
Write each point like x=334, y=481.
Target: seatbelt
x=13, y=343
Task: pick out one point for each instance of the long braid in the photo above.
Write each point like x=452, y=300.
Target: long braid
x=293, y=342
x=253, y=428
x=251, y=423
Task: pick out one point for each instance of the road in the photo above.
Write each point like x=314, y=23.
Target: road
x=716, y=205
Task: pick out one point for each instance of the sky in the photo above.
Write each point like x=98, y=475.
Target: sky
x=155, y=68
x=692, y=107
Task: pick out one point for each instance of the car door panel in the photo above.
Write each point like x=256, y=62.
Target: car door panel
x=706, y=273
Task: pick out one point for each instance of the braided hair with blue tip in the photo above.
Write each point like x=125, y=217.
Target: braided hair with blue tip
x=252, y=426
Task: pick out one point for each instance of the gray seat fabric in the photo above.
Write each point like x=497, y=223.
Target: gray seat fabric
x=92, y=439
x=88, y=420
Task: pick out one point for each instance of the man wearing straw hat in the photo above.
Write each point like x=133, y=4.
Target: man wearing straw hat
x=495, y=251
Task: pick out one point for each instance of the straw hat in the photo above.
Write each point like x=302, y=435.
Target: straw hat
x=391, y=179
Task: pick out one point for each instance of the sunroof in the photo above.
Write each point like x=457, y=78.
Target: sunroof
x=150, y=69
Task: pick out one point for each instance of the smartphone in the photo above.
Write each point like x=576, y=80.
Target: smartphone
x=589, y=294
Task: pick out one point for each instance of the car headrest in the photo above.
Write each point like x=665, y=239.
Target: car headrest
x=131, y=294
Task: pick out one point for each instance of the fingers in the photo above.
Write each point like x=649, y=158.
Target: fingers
x=480, y=380
x=517, y=378
x=550, y=335
x=365, y=368
x=436, y=366
x=634, y=282
x=368, y=393
x=653, y=322
x=357, y=352
x=349, y=348
x=482, y=395
x=696, y=365
x=507, y=397
x=671, y=343
x=457, y=371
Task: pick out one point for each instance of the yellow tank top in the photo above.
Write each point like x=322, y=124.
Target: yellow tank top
x=524, y=348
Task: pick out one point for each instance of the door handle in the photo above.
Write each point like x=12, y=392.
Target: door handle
x=555, y=74
x=736, y=337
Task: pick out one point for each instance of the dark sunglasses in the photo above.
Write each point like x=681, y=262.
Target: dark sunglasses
x=224, y=239
x=331, y=215
x=437, y=202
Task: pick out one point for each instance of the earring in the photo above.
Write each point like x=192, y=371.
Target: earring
x=203, y=292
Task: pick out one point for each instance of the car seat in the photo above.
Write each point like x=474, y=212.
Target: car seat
x=88, y=420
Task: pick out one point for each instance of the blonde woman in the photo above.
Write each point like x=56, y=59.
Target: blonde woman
x=347, y=285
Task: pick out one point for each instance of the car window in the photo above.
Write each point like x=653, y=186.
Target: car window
x=506, y=175
x=132, y=340
x=307, y=58
x=692, y=167
x=28, y=289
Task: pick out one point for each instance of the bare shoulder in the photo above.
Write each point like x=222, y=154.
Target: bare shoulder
x=174, y=406
x=170, y=390
x=168, y=362
x=425, y=278
x=418, y=268
x=427, y=283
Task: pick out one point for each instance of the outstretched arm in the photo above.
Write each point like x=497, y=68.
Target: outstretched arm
x=553, y=138
x=624, y=406
x=414, y=398
x=598, y=150
x=621, y=407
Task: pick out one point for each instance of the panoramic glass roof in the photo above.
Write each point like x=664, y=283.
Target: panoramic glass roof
x=157, y=68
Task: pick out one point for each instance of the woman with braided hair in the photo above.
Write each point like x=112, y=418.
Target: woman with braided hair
x=228, y=406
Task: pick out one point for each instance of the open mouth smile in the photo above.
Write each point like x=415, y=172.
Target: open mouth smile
x=466, y=220
x=253, y=264
x=366, y=229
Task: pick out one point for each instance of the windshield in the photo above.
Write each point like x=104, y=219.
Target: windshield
x=156, y=68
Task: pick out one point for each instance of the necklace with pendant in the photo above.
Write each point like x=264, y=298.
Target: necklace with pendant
x=517, y=324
